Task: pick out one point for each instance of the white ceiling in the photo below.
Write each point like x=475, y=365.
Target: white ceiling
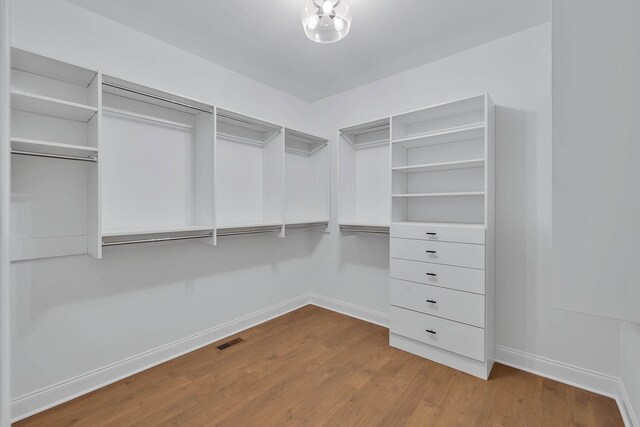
x=264, y=39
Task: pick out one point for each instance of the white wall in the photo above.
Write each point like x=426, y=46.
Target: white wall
x=76, y=314
x=516, y=71
x=138, y=299
x=596, y=134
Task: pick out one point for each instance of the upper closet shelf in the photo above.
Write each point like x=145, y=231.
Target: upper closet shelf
x=461, y=133
x=54, y=107
x=244, y=129
x=51, y=68
x=137, y=92
x=432, y=167
x=296, y=142
x=37, y=147
x=368, y=134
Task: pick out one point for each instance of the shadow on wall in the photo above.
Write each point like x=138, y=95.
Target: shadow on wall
x=522, y=256
x=369, y=250
x=236, y=264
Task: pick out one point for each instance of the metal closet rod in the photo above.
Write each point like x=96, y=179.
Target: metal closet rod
x=364, y=230
x=160, y=98
x=240, y=233
x=54, y=156
x=158, y=239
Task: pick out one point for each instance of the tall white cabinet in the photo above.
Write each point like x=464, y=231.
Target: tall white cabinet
x=442, y=245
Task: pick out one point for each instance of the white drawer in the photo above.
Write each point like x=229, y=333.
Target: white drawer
x=446, y=276
x=439, y=233
x=461, y=254
x=452, y=336
x=453, y=305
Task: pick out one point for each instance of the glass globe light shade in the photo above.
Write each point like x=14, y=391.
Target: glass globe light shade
x=326, y=21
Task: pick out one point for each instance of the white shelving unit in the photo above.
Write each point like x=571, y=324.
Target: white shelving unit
x=364, y=180
x=307, y=180
x=159, y=152
x=55, y=170
x=102, y=161
x=442, y=234
x=249, y=174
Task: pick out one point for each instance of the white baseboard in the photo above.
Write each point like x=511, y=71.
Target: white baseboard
x=626, y=407
x=350, y=310
x=48, y=397
x=56, y=394
x=572, y=375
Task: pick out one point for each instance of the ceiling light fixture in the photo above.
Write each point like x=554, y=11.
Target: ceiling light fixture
x=326, y=21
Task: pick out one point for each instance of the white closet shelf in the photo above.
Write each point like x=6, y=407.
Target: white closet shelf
x=462, y=133
x=237, y=127
x=159, y=230
x=432, y=167
x=55, y=148
x=367, y=135
x=450, y=194
x=33, y=103
x=296, y=142
x=51, y=68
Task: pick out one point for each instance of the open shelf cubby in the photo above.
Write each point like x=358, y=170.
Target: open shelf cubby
x=441, y=164
x=146, y=131
x=307, y=180
x=364, y=183
x=54, y=146
x=249, y=172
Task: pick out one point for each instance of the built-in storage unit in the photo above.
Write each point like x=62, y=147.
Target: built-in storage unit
x=249, y=174
x=364, y=180
x=158, y=149
x=55, y=125
x=101, y=161
x=307, y=180
x=442, y=234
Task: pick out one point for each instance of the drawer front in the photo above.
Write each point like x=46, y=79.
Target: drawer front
x=460, y=254
x=446, y=276
x=452, y=336
x=453, y=305
x=439, y=233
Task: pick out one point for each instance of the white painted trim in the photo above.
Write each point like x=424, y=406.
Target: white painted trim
x=56, y=394
x=40, y=400
x=351, y=310
x=585, y=379
x=5, y=209
x=626, y=407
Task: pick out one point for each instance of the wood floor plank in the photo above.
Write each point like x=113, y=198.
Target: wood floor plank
x=315, y=367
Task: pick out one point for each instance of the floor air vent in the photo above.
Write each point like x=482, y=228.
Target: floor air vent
x=230, y=343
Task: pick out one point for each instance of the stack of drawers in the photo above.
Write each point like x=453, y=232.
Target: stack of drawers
x=438, y=308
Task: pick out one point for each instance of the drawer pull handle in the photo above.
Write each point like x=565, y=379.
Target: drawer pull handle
x=432, y=301
x=432, y=234
x=431, y=252
x=431, y=331
x=431, y=274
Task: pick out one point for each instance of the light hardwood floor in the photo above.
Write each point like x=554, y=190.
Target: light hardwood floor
x=315, y=367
